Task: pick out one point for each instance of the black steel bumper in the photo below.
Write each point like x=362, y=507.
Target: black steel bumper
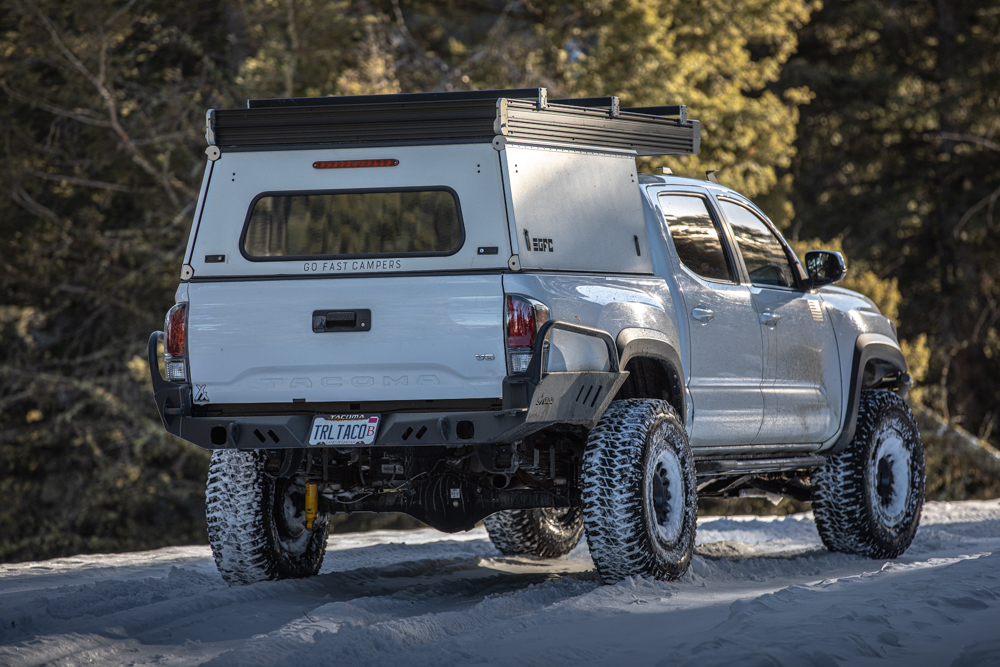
x=532, y=401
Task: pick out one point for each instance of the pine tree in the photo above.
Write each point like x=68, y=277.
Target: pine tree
x=898, y=155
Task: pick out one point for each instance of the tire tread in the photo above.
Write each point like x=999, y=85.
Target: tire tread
x=843, y=517
x=612, y=493
x=238, y=498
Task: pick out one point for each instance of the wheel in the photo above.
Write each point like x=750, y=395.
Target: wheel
x=547, y=533
x=256, y=523
x=867, y=499
x=640, y=502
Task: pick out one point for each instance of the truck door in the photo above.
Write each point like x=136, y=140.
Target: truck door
x=726, y=366
x=802, y=369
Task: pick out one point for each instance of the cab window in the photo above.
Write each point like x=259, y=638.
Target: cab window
x=696, y=236
x=763, y=254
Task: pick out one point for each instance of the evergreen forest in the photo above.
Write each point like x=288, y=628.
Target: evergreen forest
x=867, y=126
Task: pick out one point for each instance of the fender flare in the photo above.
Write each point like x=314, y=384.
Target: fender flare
x=639, y=342
x=868, y=347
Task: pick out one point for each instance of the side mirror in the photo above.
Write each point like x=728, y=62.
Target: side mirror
x=825, y=267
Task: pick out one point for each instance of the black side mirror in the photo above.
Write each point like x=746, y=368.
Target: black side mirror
x=825, y=267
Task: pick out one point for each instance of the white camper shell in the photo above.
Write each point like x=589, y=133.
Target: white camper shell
x=522, y=204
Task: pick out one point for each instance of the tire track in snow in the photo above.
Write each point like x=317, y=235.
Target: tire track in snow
x=761, y=592
x=408, y=628
x=60, y=626
x=129, y=609
x=907, y=608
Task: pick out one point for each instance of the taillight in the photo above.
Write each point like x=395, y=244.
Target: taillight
x=524, y=317
x=175, y=345
x=520, y=322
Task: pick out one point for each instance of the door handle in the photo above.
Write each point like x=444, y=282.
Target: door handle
x=328, y=321
x=770, y=319
x=703, y=315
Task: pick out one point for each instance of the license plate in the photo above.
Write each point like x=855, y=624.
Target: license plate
x=344, y=430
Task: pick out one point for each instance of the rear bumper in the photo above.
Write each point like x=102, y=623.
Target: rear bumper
x=532, y=401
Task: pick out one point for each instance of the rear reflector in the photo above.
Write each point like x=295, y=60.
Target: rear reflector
x=354, y=164
x=519, y=361
x=176, y=371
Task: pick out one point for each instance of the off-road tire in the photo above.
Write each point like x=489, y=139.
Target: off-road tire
x=633, y=526
x=256, y=523
x=867, y=499
x=544, y=533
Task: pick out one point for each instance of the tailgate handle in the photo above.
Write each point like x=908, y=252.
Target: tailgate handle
x=329, y=321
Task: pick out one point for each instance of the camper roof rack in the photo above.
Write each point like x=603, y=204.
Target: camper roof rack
x=453, y=117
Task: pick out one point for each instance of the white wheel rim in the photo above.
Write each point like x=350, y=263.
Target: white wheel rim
x=666, y=494
x=889, y=474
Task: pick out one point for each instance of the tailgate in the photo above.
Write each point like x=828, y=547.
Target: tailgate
x=430, y=337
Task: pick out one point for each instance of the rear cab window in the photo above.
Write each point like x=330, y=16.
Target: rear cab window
x=332, y=224
x=697, y=236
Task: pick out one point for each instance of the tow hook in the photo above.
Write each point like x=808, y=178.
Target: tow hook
x=312, y=504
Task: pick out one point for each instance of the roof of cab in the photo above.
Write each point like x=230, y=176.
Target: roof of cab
x=670, y=179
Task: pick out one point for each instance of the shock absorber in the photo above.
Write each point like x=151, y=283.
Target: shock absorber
x=312, y=504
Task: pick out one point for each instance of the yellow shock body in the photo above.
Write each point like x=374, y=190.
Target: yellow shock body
x=312, y=504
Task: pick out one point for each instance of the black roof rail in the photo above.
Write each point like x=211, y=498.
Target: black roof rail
x=611, y=103
x=467, y=116
x=675, y=110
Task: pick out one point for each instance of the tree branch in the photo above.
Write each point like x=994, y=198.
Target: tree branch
x=159, y=139
x=110, y=103
x=988, y=199
x=23, y=199
x=967, y=139
x=87, y=183
x=114, y=17
x=79, y=115
x=293, y=48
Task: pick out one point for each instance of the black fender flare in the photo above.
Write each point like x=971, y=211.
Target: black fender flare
x=867, y=348
x=639, y=342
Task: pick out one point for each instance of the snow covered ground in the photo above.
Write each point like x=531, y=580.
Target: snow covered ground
x=762, y=591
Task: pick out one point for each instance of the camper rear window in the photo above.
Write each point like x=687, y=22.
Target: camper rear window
x=353, y=224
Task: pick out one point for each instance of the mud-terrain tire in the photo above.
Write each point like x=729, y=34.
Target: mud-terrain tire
x=640, y=502
x=867, y=499
x=256, y=523
x=546, y=533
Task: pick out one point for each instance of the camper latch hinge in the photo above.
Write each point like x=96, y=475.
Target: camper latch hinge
x=210, y=127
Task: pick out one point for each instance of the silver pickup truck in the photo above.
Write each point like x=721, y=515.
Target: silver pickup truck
x=472, y=306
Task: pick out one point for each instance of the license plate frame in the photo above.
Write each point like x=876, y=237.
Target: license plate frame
x=344, y=429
